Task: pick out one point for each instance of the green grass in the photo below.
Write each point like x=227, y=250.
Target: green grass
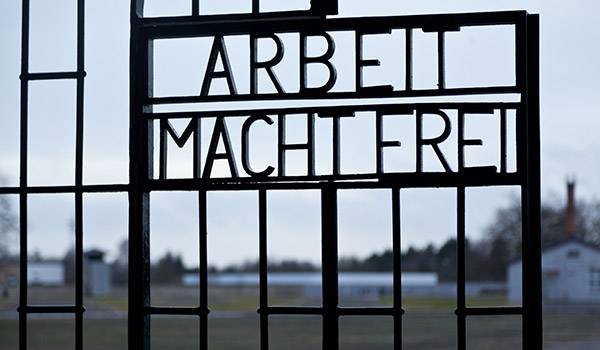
x=423, y=330
x=423, y=303
x=119, y=303
x=428, y=324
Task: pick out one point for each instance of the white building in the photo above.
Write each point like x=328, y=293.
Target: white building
x=350, y=283
x=45, y=274
x=570, y=273
x=570, y=267
x=96, y=274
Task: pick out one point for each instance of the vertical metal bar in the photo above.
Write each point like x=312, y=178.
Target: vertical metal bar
x=336, y=146
x=358, y=72
x=409, y=58
x=521, y=120
x=23, y=271
x=197, y=153
x=23, y=176
x=330, y=267
x=140, y=170
x=203, y=249
x=503, y=136
x=281, y=144
x=79, y=270
x=419, y=136
x=324, y=7
x=162, y=149
x=379, y=143
x=262, y=252
x=522, y=167
x=139, y=272
x=79, y=176
x=195, y=7
x=397, y=253
x=255, y=6
x=460, y=269
x=532, y=265
x=310, y=135
x=520, y=54
x=441, y=60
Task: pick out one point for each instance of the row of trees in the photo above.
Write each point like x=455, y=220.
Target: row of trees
x=506, y=225
x=486, y=258
x=8, y=227
x=482, y=262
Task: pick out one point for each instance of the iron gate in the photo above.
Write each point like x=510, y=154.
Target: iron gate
x=305, y=23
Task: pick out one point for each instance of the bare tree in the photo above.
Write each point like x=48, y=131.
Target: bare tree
x=8, y=229
x=119, y=267
x=506, y=227
x=8, y=225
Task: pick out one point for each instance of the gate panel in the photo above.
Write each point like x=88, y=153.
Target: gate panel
x=448, y=172
x=227, y=114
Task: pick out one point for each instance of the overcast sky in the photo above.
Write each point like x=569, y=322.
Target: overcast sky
x=570, y=45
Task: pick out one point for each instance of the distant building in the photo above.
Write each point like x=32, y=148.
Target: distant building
x=305, y=279
x=9, y=278
x=570, y=267
x=96, y=274
x=45, y=273
x=359, y=284
x=352, y=284
x=570, y=273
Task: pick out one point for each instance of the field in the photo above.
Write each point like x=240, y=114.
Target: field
x=428, y=324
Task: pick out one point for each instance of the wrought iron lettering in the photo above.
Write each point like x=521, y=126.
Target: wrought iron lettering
x=276, y=121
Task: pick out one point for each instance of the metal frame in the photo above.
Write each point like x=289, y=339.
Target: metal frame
x=145, y=30
x=78, y=189
x=142, y=182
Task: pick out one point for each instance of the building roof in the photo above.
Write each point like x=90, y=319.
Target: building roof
x=572, y=239
x=94, y=254
x=556, y=244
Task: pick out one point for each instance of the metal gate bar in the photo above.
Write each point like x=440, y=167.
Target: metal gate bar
x=461, y=319
x=24, y=189
x=262, y=269
x=329, y=264
x=142, y=182
x=531, y=194
x=146, y=30
x=398, y=311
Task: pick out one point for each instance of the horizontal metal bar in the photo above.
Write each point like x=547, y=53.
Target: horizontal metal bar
x=290, y=310
x=489, y=311
x=244, y=23
x=227, y=18
x=54, y=309
x=362, y=181
x=182, y=311
x=65, y=189
x=370, y=311
x=366, y=93
x=53, y=76
x=337, y=110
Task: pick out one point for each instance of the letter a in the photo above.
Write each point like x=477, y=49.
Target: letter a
x=218, y=47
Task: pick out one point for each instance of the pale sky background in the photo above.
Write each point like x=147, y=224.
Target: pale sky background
x=570, y=46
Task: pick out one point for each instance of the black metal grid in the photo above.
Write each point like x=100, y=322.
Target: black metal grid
x=24, y=190
x=78, y=189
x=145, y=30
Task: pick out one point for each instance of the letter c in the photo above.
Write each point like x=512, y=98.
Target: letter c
x=246, y=146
